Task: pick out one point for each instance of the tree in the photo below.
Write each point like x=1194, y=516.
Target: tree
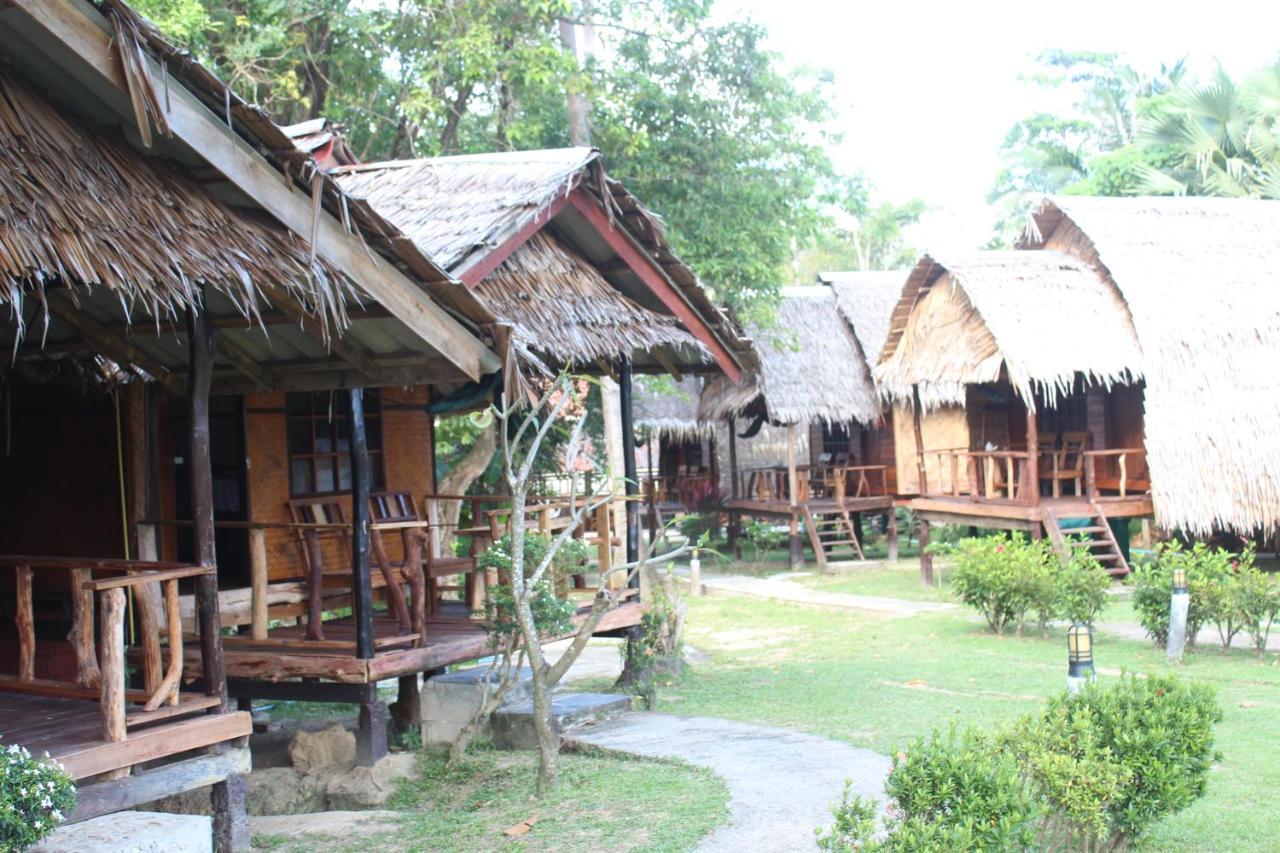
x=862, y=236
x=1093, y=148
x=1220, y=138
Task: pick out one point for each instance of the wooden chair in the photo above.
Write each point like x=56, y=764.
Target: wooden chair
x=1067, y=462
x=424, y=565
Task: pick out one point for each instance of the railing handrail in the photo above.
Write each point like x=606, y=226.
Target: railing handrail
x=1115, y=451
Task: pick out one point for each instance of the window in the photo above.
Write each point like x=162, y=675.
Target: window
x=318, y=429
x=835, y=441
x=1071, y=414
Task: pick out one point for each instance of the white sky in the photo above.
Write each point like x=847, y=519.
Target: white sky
x=926, y=89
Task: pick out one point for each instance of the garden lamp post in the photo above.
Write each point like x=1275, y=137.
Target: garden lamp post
x=695, y=573
x=1079, y=657
x=1179, y=603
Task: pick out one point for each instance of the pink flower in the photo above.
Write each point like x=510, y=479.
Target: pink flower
x=999, y=549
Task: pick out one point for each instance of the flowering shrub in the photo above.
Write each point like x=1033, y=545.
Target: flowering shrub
x=35, y=794
x=1227, y=590
x=551, y=611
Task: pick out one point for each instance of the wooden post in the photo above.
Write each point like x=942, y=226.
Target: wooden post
x=258, y=581
x=735, y=518
x=111, y=694
x=793, y=499
x=230, y=822
x=629, y=464
x=81, y=634
x=1033, y=458
x=916, y=415
x=1090, y=476
x=26, y=624
x=371, y=739
x=926, y=559
x=201, y=334
x=891, y=529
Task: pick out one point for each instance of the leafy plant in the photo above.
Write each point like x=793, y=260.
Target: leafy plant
x=1258, y=597
x=1153, y=587
x=35, y=795
x=855, y=823
x=1004, y=577
x=1080, y=589
x=552, y=612
x=760, y=537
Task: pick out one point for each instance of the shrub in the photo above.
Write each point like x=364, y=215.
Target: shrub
x=1258, y=596
x=855, y=824
x=1153, y=587
x=1003, y=577
x=1092, y=771
x=1080, y=590
x=35, y=794
x=760, y=537
x=552, y=612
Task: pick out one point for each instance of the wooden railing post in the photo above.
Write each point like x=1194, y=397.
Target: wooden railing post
x=111, y=647
x=1090, y=476
x=972, y=465
x=955, y=474
x=81, y=635
x=26, y=624
x=167, y=689
x=258, y=579
x=1124, y=474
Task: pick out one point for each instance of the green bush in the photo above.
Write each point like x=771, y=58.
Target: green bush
x=855, y=824
x=35, y=794
x=1135, y=750
x=1153, y=587
x=1092, y=771
x=1080, y=589
x=1258, y=597
x=552, y=613
x=1004, y=577
x=759, y=538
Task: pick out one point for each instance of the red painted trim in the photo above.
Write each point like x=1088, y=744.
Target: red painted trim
x=647, y=269
x=475, y=273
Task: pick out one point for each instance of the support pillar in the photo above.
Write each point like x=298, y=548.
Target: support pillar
x=793, y=497
x=1033, y=461
x=926, y=559
x=891, y=533
x=371, y=738
x=631, y=483
x=735, y=519
x=917, y=413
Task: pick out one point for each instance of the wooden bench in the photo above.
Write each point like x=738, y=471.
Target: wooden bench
x=423, y=557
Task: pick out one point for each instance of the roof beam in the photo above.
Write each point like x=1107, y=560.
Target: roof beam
x=347, y=349
x=644, y=266
x=242, y=361
x=113, y=347
x=473, y=270
x=83, y=33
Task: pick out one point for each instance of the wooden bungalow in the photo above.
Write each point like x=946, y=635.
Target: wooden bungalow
x=1016, y=378
x=1198, y=278
x=180, y=281
x=682, y=471
x=577, y=266
x=812, y=371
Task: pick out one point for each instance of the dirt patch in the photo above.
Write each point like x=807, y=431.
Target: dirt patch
x=921, y=684
x=741, y=639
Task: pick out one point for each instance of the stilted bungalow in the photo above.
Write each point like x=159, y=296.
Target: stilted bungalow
x=812, y=371
x=179, y=282
x=571, y=260
x=682, y=471
x=1198, y=278
x=1017, y=381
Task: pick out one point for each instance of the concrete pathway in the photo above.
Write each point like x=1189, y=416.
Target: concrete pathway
x=781, y=783
x=781, y=589
x=343, y=826
x=1207, y=639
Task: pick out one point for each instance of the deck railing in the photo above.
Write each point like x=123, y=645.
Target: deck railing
x=100, y=654
x=980, y=475
x=1124, y=472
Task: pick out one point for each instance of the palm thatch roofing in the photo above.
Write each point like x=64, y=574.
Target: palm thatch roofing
x=461, y=209
x=1200, y=279
x=811, y=368
x=866, y=301
x=1043, y=318
x=81, y=209
x=561, y=307
x=669, y=409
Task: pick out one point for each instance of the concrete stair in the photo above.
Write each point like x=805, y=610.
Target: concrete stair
x=512, y=726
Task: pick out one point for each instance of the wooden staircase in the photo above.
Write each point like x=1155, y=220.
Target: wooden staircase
x=830, y=531
x=1094, y=538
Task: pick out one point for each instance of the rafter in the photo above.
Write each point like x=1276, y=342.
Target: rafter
x=114, y=347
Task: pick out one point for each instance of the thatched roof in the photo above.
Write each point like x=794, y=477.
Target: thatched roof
x=560, y=306
x=80, y=208
x=461, y=209
x=1201, y=282
x=810, y=367
x=670, y=409
x=1042, y=317
x=866, y=300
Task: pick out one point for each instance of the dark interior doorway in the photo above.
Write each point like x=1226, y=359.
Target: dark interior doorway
x=230, y=486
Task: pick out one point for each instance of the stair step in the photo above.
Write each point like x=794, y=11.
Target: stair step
x=512, y=727
x=1071, y=530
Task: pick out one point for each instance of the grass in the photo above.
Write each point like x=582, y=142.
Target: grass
x=880, y=682
x=602, y=802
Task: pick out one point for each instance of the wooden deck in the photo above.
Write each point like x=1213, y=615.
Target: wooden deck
x=70, y=730
x=781, y=508
x=451, y=638
x=985, y=512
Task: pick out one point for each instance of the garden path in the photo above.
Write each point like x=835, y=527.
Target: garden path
x=781, y=783
x=1206, y=639
x=781, y=589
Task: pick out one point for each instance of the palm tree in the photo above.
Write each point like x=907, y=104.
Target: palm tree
x=1224, y=137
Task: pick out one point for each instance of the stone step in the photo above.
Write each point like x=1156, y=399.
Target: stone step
x=450, y=700
x=132, y=832
x=512, y=727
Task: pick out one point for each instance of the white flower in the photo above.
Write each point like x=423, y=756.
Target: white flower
x=56, y=815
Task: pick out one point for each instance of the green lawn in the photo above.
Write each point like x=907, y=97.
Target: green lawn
x=601, y=803
x=880, y=682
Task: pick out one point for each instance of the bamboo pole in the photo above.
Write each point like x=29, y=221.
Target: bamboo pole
x=25, y=619
x=258, y=581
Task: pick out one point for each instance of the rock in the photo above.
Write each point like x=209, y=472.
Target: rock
x=195, y=801
x=338, y=825
x=283, y=790
x=132, y=832
x=333, y=748
x=369, y=787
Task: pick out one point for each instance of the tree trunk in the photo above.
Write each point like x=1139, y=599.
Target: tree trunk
x=548, y=742
x=460, y=477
